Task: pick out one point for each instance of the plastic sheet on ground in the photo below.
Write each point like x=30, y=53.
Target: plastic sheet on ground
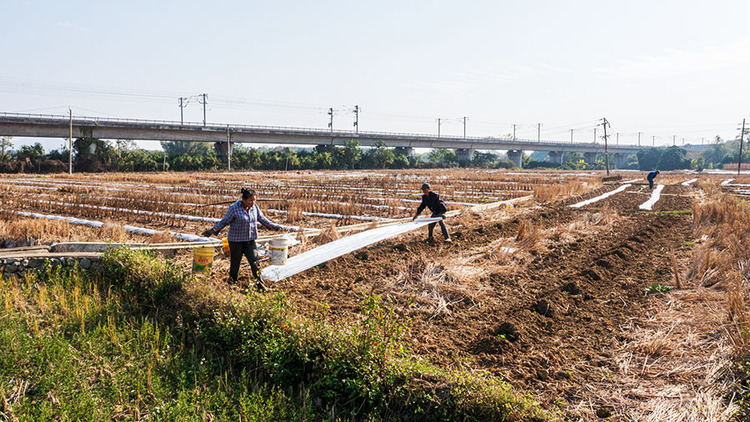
x=726, y=182
x=600, y=197
x=655, y=195
x=337, y=248
x=689, y=182
x=133, y=229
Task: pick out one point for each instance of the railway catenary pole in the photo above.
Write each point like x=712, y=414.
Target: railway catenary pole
x=229, y=149
x=742, y=136
x=605, y=123
x=539, y=132
x=204, y=109
x=356, y=118
x=465, y=126
x=70, y=143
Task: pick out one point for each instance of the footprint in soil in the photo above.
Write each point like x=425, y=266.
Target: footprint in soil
x=507, y=331
x=571, y=288
x=543, y=308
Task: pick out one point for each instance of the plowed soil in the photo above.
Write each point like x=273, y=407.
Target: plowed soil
x=546, y=318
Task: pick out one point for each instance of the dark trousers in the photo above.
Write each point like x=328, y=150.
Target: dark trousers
x=236, y=250
x=650, y=183
x=431, y=226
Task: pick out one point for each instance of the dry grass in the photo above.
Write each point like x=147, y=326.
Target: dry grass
x=550, y=193
x=436, y=288
x=22, y=229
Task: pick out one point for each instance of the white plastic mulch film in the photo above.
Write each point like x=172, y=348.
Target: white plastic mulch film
x=655, y=195
x=600, y=197
x=337, y=248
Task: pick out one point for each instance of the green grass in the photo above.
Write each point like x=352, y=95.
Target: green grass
x=677, y=212
x=144, y=340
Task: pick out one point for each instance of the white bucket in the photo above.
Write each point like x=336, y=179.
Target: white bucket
x=278, y=251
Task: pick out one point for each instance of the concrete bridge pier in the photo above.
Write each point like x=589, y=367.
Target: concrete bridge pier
x=464, y=155
x=407, y=151
x=556, y=157
x=620, y=160
x=590, y=157
x=516, y=156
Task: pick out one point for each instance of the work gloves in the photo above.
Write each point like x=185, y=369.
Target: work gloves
x=207, y=233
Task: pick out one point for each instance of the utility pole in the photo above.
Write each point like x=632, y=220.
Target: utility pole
x=181, y=107
x=594, y=134
x=70, y=144
x=605, y=123
x=617, y=138
x=330, y=113
x=465, y=126
x=229, y=149
x=674, y=140
x=742, y=136
x=204, y=109
x=639, y=138
x=356, y=119
x=438, y=127
x=539, y=132
x=514, y=132
x=653, y=141
x=571, y=136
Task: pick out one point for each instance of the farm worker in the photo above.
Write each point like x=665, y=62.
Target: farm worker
x=433, y=201
x=243, y=217
x=651, y=177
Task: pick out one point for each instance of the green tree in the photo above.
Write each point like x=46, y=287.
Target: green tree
x=175, y=148
x=648, y=159
x=443, y=156
x=674, y=158
x=379, y=157
x=93, y=155
x=5, y=145
x=352, y=154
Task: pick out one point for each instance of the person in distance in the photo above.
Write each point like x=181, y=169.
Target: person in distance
x=431, y=200
x=243, y=217
x=651, y=176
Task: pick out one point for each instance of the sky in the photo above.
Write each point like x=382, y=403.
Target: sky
x=675, y=71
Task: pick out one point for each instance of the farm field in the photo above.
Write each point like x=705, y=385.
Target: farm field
x=565, y=303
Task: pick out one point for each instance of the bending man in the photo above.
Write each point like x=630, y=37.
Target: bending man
x=651, y=177
x=433, y=201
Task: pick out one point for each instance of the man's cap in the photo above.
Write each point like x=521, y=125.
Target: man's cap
x=425, y=186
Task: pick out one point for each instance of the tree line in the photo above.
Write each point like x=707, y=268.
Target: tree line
x=96, y=155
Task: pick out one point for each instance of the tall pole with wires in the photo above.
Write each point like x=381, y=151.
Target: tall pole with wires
x=204, y=109
x=182, y=106
x=539, y=132
x=465, y=126
x=70, y=144
x=438, y=120
x=356, y=119
x=742, y=136
x=605, y=123
x=330, y=123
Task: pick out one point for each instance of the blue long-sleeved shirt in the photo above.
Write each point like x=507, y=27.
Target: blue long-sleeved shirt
x=651, y=176
x=243, y=224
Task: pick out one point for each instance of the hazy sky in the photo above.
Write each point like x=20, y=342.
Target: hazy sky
x=664, y=68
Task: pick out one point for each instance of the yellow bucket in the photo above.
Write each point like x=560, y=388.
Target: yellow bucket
x=225, y=246
x=203, y=259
